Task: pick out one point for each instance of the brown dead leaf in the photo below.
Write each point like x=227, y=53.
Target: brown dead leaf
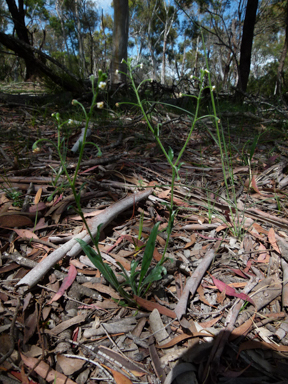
x=118, y=377
x=164, y=194
x=26, y=233
x=149, y=305
x=30, y=325
x=272, y=240
x=263, y=257
x=103, y=289
x=45, y=371
x=37, y=197
x=17, y=219
x=210, y=323
x=69, y=365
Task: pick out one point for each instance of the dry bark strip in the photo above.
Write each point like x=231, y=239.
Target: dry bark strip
x=193, y=282
x=72, y=247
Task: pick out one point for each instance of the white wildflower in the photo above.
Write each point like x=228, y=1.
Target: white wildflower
x=102, y=85
x=141, y=65
x=213, y=88
x=100, y=105
x=206, y=71
x=116, y=72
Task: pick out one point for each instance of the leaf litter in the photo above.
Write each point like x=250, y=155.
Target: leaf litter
x=220, y=312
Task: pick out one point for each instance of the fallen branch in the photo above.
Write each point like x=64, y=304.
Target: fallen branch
x=72, y=247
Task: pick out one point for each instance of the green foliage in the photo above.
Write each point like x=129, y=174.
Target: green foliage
x=265, y=84
x=12, y=193
x=138, y=280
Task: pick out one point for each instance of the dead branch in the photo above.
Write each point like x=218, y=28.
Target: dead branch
x=72, y=247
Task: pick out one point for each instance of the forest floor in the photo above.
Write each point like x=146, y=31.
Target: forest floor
x=220, y=312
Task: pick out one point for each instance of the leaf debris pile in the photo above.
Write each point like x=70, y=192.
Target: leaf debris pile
x=219, y=315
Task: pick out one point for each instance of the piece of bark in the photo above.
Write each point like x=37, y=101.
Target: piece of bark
x=284, y=266
x=72, y=247
x=193, y=282
x=158, y=328
x=123, y=325
x=66, y=324
x=264, y=292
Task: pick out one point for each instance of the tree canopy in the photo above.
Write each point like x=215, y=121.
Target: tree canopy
x=245, y=42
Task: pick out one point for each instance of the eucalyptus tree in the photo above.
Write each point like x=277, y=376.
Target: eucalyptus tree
x=20, y=14
x=120, y=41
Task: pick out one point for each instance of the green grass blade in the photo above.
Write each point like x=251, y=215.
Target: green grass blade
x=97, y=260
x=148, y=253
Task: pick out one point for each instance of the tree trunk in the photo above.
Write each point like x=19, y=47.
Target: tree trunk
x=120, y=41
x=163, y=69
x=18, y=17
x=81, y=53
x=280, y=73
x=183, y=60
x=246, y=45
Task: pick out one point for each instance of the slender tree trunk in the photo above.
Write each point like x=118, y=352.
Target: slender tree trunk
x=80, y=42
x=163, y=69
x=151, y=49
x=18, y=17
x=60, y=15
x=246, y=44
x=120, y=41
x=196, y=57
x=183, y=60
x=280, y=74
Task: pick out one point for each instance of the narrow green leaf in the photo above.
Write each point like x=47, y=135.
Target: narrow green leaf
x=171, y=154
x=96, y=259
x=148, y=253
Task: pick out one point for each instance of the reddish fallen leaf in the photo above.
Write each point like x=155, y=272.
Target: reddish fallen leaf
x=150, y=305
x=248, y=266
x=259, y=228
x=254, y=185
x=26, y=233
x=134, y=240
x=239, y=273
x=119, y=240
x=184, y=336
x=243, y=329
x=157, y=255
x=202, y=297
x=263, y=257
x=230, y=291
x=20, y=376
x=272, y=239
x=37, y=207
x=210, y=323
x=118, y=377
x=45, y=371
x=67, y=282
x=164, y=194
x=180, y=202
